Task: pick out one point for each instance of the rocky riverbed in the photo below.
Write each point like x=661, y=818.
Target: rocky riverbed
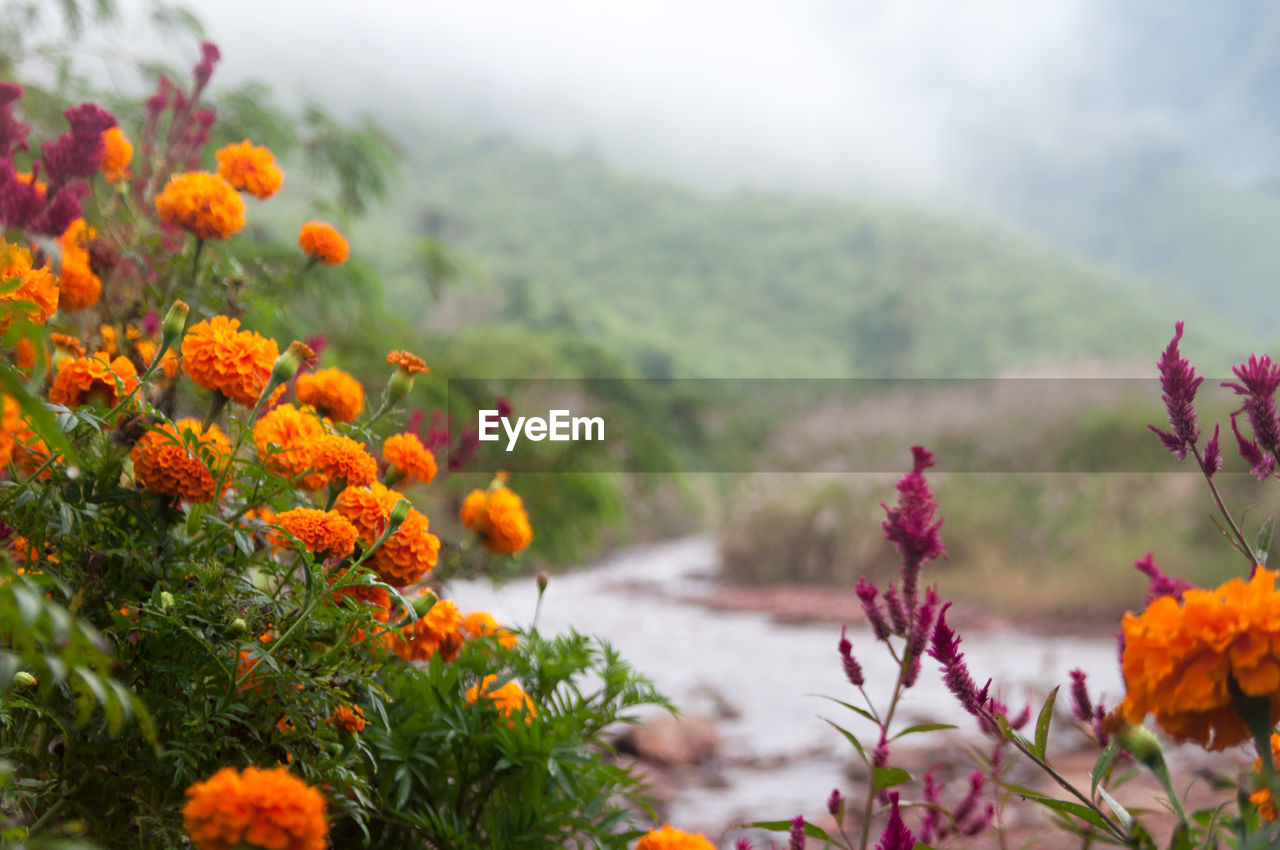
x=753, y=744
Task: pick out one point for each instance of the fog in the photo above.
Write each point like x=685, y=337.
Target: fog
x=902, y=96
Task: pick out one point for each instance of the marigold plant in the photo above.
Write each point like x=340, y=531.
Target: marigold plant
x=182, y=460
x=266, y=809
x=333, y=392
x=411, y=460
x=322, y=242
x=93, y=380
x=510, y=699
x=117, y=153
x=670, y=838
x=202, y=204
x=220, y=357
x=325, y=534
x=250, y=168
x=498, y=516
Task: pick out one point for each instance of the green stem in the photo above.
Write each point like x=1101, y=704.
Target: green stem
x=1217, y=497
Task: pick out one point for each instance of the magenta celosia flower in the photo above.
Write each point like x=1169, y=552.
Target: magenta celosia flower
x=1213, y=454
x=852, y=669
x=77, y=153
x=945, y=648
x=1083, y=709
x=897, y=612
x=797, y=841
x=835, y=802
x=911, y=526
x=919, y=639
x=1179, y=381
x=1160, y=584
x=742, y=844
x=1258, y=380
x=932, y=828
x=867, y=593
x=209, y=56
x=13, y=132
x=895, y=836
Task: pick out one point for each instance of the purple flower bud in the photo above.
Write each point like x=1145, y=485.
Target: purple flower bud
x=970, y=802
x=852, y=670
x=979, y=823
x=910, y=525
x=157, y=103
x=835, y=803
x=1081, y=705
x=797, y=833
x=62, y=209
x=897, y=614
x=895, y=836
x=1260, y=463
x=933, y=829
x=880, y=755
x=1160, y=584
x=1100, y=726
x=1023, y=718
x=945, y=648
x=919, y=639
x=20, y=201
x=867, y=592
x=209, y=56
x=742, y=844
x=1213, y=454
x=1179, y=381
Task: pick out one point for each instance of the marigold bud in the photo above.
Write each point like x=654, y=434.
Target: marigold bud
x=166, y=600
x=542, y=580
x=399, y=511
x=288, y=364
x=239, y=626
x=23, y=679
x=425, y=603
x=174, y=324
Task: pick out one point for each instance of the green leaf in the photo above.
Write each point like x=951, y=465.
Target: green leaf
x=810, y=830
x=1262, y=545
x=850, y=706
x=1103, y=764
x=887, y=777
x=1118, y=810
x=1042, y=723
x=923, y=727
x=849, y=736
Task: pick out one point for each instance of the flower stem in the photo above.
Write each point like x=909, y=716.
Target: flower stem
x=1217, y=497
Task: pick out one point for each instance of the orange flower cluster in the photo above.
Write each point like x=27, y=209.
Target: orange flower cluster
x=220, y=357
x=437, y=631
x=409, y=457
x=350, y=718
x=480, y=624
x=341, y=459
x=408, y=554
x=267, y=809
x=92, y=380
x=68, y=344
x=201, y=203
x=498, y=516
x=1262, y=797
x=11, y=426
x=166, y=463
x=670, y=838
x=1180, y=658
x=36, y=286
x=117, y=152
x=323, y=242
x=410, y=364
x=284, y=437
x=80, y=288
x=250, y=169
x=332, y=392
x=509, y=699
x=326, y=534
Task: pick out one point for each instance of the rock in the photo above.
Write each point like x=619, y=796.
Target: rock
x=667, y=740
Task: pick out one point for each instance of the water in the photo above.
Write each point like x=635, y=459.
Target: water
x=771, y=674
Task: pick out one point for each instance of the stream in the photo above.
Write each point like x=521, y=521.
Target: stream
x=779, y=757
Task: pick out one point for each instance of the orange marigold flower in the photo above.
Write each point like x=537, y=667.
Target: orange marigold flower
x=498, y=516
x=1180, y=658
x=267, y=809
x=20, y=282
x=479, y=624
x=372, y=594
x=92, y=380
x=11, y=425
x=332, y=392
x=117, y=152
x=69, y=344
x=509, y=699
x=250, y=169
x=326, y=534
x=350, y=718
x=437, y=631
x=409, y=457
x=80, y=288
x=408, y=554
x=1262, y=797
x=220, y=357
x=338, y=458
x=181, y=460
x=284, y=437
x=323, y=242
x=410, y=363
x=670, y=838
x=201, y=203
